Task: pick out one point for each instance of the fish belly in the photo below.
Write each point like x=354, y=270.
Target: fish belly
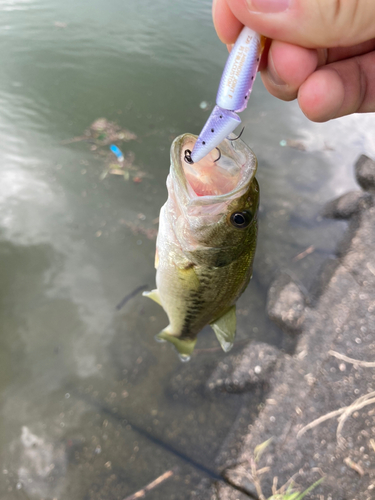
x=195, y=296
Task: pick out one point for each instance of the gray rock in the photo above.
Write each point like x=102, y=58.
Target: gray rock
x=242, y=372
x=347, y=205
x=329, y=370
x=365, y=173
x=286, y=304
x=322, y=377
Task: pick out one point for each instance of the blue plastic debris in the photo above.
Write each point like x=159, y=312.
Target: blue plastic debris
x=116, y=151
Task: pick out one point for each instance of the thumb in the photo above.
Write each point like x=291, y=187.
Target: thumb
x=309, y=23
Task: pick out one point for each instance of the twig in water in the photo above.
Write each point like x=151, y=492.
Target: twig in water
x=141, y=493
x=287, y=491
x=365, y=364
x=130, y=295
x=256, y=479
x=320, y=420
x=371, y=268
x=349, y=462
x=303, y=254
x=359, y=403
x=274, y=485
x=344, y=413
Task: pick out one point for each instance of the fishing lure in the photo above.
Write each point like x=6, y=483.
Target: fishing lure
x=233, y=94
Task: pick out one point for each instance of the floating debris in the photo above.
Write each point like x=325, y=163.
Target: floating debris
x=105, y=133
x=117, y=171
x=203, y=105
x=102, y=132
x=126, y=168
x=292, y=143
x=117, y=152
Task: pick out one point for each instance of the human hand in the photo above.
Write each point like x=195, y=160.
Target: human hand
x=320, y=51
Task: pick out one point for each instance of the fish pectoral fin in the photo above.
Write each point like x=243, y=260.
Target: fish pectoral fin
x=184, y=347
x=153, y=295
x=225, y=328
x=188, y=276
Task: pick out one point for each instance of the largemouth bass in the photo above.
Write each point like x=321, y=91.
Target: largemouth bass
x=206, y=242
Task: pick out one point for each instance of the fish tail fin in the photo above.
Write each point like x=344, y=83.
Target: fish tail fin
x=184, y=347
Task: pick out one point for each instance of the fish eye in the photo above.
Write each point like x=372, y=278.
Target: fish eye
x=241, y=219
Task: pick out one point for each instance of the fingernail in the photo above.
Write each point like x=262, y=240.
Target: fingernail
x=268, y=6
x=272, y=73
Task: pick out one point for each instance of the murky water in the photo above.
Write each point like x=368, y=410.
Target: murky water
x=91, y=406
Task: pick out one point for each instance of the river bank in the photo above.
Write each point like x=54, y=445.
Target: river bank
x=319, y=412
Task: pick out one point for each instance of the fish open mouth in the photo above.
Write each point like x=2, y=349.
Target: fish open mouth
x=216, y=175
x=210, y=176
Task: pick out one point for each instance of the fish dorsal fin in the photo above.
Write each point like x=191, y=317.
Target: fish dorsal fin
x=225, y=328
x=184, y=346
x=153, y=295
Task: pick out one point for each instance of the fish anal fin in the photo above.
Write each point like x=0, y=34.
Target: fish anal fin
x=153, y=295
x=184, y=347
x=225, y=328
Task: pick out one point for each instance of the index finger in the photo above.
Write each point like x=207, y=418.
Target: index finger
x=226, y=23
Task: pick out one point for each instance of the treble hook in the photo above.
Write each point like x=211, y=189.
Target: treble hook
x=188, y=158
x=231, y=140
x=217, y=159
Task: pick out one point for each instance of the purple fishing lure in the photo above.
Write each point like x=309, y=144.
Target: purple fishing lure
x=233, y=94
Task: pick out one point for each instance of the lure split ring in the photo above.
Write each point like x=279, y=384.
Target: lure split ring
x=187, y=157
x=189, y=160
